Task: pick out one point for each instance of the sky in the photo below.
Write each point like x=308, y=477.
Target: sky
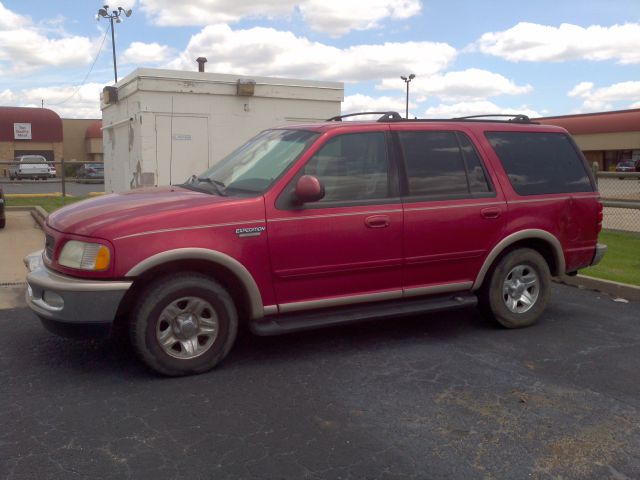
x=540, y=58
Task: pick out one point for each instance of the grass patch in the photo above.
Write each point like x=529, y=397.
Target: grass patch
x=621, y=263
x=49, y=203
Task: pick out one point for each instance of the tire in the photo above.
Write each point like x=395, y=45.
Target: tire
x=517, y=290
x=193, y=343
x=3, y=222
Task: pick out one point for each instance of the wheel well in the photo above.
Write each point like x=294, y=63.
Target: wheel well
x=217, y=272
x=541, y=246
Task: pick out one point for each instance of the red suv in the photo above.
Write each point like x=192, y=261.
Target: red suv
x=324, y=224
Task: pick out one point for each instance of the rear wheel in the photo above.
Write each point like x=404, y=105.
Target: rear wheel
x=517, y=290
x=184, y=324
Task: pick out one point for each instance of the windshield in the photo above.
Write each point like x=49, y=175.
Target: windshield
x=253, y=167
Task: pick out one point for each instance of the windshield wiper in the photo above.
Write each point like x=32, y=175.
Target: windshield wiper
x=217, y=185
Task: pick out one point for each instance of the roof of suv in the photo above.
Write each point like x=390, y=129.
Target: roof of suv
x=479, y=122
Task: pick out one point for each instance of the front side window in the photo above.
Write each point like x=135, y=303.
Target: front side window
x=352, y=167
x=540, y=162
x=442, y=164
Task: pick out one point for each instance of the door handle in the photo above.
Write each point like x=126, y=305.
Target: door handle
x=490, y=212
x=377, y=221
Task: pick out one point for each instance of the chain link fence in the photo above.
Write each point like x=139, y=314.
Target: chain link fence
x=51, y=177
x=620, y=194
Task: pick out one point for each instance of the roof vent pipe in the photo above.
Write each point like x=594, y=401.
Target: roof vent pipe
x=201, y=61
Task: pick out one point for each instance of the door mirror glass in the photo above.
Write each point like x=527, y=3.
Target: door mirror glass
x=309, y=189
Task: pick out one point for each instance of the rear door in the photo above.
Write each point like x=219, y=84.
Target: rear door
x=453, y=213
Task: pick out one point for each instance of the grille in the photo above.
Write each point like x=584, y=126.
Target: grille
x=49, y=243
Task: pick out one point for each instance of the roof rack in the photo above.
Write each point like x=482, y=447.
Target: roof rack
x=386, y=116
x=396, y=117
x=516, y=117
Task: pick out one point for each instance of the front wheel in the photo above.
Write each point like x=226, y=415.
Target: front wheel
x=517, y=290
x=183, y=324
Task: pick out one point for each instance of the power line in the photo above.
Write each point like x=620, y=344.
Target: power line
x=86, y=76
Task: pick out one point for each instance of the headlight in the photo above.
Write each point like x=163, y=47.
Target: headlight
x=85, y=256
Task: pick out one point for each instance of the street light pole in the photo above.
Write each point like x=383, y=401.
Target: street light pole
x=114, y=15
x=407, y=80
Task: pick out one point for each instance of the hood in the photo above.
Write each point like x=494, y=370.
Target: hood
x=136, y=211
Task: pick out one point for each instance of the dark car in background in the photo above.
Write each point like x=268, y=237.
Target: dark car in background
x=626, y=166
x=2, y=217
x=91, y=171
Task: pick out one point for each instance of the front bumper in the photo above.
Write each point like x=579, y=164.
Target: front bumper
x=601, y=249
x=60, y=298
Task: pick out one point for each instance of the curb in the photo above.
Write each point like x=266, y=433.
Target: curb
x=615, y=289
x=39, y=214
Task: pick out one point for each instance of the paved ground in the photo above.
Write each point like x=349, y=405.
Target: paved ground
x=20, y=237
x=443, y=396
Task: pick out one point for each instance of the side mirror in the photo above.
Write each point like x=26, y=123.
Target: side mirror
x=309, y=189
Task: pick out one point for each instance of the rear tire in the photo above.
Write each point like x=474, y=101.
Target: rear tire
x=183, y=324
x=516, y=292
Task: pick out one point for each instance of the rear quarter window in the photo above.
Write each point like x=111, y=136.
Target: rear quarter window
x=540, y=163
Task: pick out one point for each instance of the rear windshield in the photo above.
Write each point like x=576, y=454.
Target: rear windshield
x=540, y=162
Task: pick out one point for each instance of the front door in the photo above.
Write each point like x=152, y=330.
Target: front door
x=347, y=247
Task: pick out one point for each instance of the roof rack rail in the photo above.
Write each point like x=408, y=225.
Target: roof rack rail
x=386, y=116
x=516, y=117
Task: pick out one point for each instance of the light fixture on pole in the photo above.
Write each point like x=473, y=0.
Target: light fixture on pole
x=114, y=15
x=407, y=80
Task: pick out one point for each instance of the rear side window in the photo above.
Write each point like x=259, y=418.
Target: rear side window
x=442, y=164
x=540, y=163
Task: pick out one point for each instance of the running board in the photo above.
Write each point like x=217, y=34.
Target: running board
x=330, y=317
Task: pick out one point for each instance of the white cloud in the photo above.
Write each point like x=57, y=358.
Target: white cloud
x=332, y=16
x=338, y=17
x=266, y=51
x=479, y=107
x=140, y=53
x=470, y=84
x=84, y=104
x=604, y=98
x=25, y=46
x=533, y=42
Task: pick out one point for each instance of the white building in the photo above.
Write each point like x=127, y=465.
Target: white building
x=167, y=125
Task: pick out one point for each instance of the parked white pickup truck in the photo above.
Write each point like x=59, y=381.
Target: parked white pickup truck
x=29, y=166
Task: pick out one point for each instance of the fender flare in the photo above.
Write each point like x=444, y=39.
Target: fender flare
x=213, y=256
x=537, y=234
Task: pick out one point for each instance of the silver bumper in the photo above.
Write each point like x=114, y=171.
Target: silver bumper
x=60, y=298
x=601, y=249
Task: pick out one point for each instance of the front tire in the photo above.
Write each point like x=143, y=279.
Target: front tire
x=183, y=324
x=517, y=290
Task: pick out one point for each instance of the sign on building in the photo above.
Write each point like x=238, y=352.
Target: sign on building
x=22, y=131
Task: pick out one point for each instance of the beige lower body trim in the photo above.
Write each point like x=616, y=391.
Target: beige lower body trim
x=340, y=301
x=435, y=289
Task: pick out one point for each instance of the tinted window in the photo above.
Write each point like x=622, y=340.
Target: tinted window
x=352, y=167
x=478, y=182
x=437, y=164
x=540, y=163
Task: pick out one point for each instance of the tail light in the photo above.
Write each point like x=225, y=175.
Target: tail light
x=599, y=217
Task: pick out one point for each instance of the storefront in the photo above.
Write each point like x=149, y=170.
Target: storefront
x=606, y=137
x=30, y=131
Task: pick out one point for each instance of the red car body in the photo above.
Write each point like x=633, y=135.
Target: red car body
x=276, y=260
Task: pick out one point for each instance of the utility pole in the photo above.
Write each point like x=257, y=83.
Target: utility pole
x=407, y=80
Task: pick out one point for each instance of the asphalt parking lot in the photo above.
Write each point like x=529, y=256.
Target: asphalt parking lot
x=439, y=396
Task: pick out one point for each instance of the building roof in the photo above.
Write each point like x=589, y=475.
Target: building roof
x=94, y=130
x=46, y=125
x=601, y=122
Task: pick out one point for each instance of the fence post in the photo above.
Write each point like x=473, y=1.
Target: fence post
x=62, y=177
x=594, y=168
